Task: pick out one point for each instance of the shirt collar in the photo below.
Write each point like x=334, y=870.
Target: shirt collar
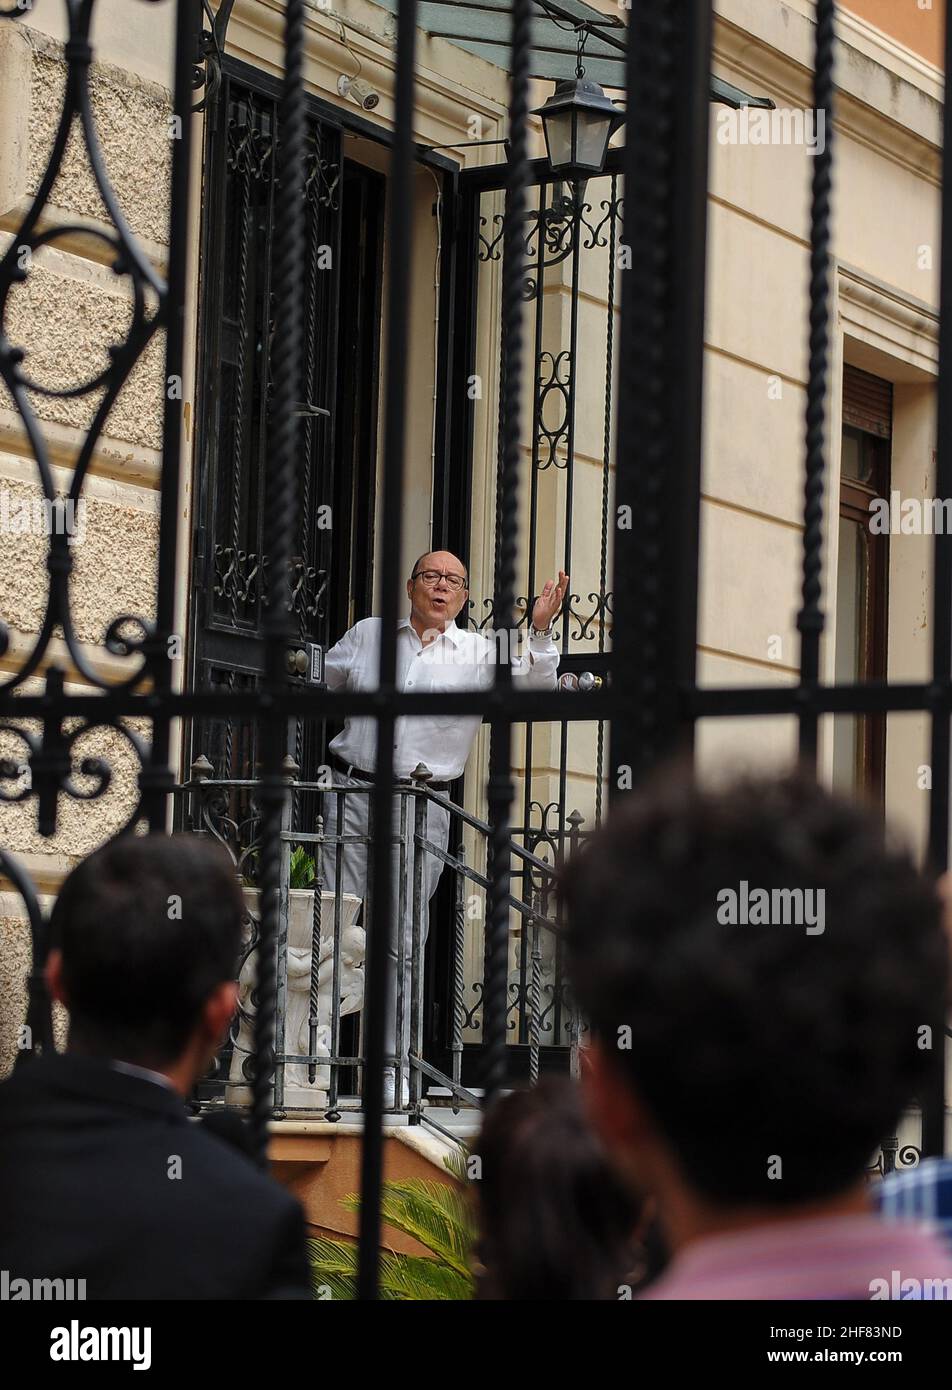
x=145, y=1073
x=451, y=630
x=99, y=1078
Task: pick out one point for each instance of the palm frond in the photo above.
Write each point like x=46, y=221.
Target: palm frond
x=334, y=1268
x=418, y=1278
x=455, y=1164
x=436, y=1214
x=402, y=1277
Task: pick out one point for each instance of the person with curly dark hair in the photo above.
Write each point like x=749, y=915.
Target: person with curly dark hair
x=760, y=964
x=556, y=1221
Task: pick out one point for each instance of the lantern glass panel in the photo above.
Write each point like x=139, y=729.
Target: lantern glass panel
x=558, y=139
x=591, y=140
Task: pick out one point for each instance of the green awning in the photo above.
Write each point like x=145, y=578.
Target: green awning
x=483, y=27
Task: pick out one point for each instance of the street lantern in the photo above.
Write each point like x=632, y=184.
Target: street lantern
x=578, y=120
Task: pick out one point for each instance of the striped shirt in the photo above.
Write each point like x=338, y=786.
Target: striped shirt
x=843, y=1257
x=922, y=1195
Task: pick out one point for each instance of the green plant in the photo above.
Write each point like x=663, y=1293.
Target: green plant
x=438, y=1215
x=303, y=871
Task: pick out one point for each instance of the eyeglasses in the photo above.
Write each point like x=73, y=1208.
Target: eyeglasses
x=432, y=577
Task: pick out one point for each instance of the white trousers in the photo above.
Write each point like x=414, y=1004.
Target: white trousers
x=355, y=870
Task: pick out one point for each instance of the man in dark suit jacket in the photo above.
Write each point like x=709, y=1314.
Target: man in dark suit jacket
x=103, y=1177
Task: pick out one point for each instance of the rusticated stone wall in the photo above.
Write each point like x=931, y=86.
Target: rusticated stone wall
x=67, y=314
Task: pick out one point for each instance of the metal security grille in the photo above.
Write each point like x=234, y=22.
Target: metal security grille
x=572, y=238
x=653, y=701
x=569, y=238
x=333, y=505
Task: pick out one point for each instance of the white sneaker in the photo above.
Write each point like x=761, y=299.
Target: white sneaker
x=390, y=1089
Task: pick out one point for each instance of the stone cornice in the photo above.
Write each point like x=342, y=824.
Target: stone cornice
x=885, y=318
x=879, y=104
x=891, y=54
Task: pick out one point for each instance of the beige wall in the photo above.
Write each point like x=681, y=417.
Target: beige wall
x=885, y=213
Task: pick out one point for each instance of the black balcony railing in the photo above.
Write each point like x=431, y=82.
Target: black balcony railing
x=321, y=952
x=653, y=702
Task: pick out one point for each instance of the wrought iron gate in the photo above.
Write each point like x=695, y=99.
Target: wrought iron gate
x=653, y=701
x=571, y=234
x=571, y=240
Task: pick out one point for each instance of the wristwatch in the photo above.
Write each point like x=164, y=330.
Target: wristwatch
x=541, y=632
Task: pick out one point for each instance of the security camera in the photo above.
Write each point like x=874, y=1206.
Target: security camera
x=359, y=91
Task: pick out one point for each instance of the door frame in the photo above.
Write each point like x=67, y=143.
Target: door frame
x=452, y=523
x=346, y=121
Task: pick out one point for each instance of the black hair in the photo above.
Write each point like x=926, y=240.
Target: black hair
x=148, y=926
x=753, y=1043
x=556, y=1222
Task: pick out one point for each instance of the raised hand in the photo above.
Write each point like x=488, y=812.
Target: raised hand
x=549, y=602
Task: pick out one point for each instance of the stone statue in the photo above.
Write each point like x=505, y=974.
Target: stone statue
x=298, y=1090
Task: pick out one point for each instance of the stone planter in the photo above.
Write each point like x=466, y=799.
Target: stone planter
x=298, y=1090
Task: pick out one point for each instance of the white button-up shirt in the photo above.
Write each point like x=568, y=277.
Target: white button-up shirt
x=457, y=659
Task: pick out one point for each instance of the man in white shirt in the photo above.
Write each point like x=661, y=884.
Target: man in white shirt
x=432, y=654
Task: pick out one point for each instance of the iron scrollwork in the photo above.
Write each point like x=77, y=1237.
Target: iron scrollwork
x=250, y=144
x=211, y=51
x=553, y=383
x=240, y=576
x=321, y=175
x=601, y=613
x=133, y=638
x=44, y=754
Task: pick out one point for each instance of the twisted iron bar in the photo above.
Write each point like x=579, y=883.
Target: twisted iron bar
x=279, y=502
x=500, y=777
x=606, y=470
x=660, y=270
x=238, y=445
x=810, y=617
x=379, y=910
x=940, y=751
x=459, y=967
x=660, y=352
x=537, y=412
x=307, y=394
x=314, y=983
x=155, y=778
x=641, y=425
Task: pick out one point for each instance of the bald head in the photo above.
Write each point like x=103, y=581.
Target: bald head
x=439, y=560
x=435, y=602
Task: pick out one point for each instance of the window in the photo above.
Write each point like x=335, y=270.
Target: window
x=859, y=741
